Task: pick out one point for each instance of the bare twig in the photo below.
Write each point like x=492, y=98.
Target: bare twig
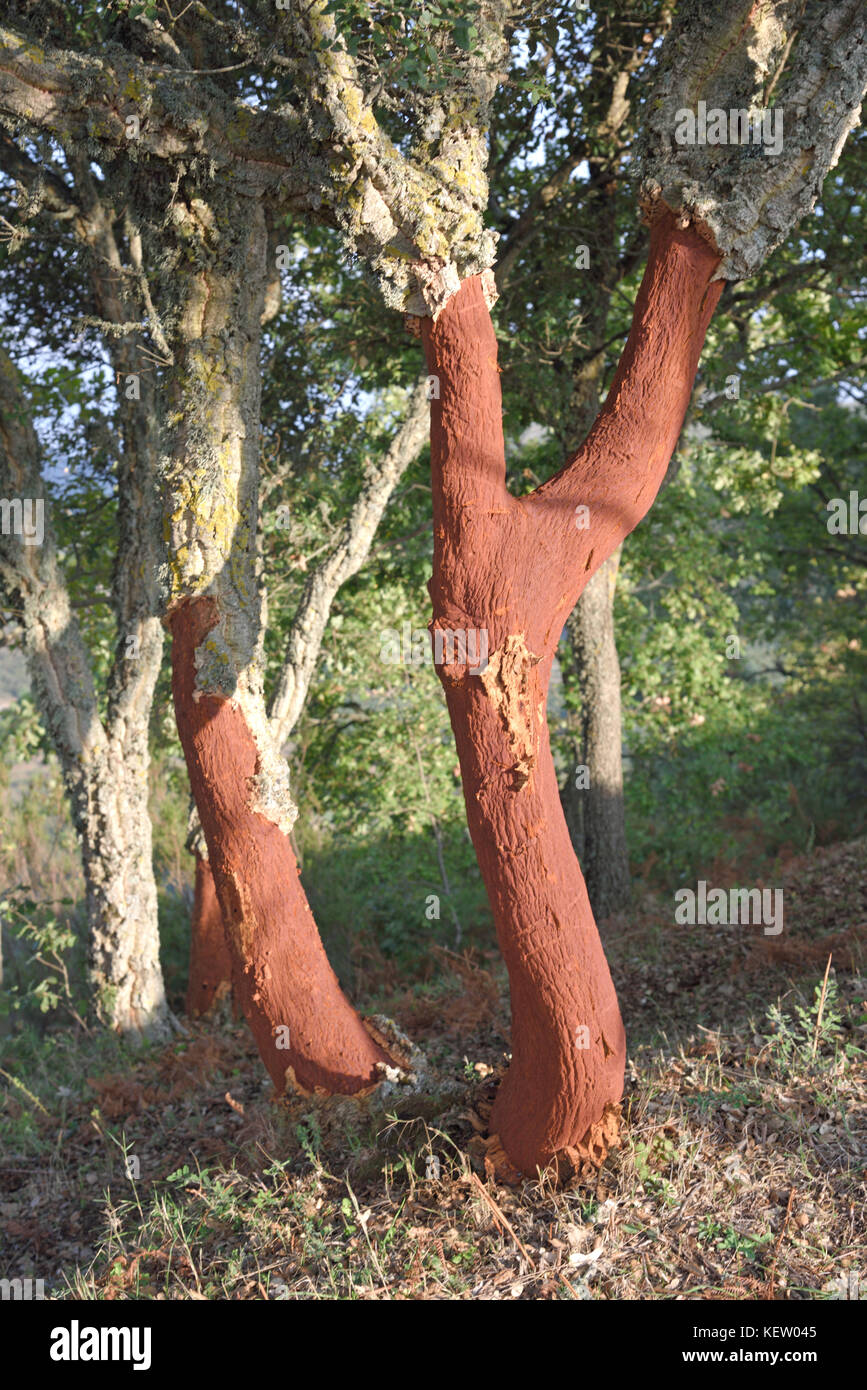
x=821, y=1008
x=503, y=1220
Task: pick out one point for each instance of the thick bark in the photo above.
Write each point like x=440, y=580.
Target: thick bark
x=135, y=594
x=812, y=57
x=88, y=98
x=516, y=568
x=305, y=1028
x=210, y=976
x=105, y=767
x=418, y=221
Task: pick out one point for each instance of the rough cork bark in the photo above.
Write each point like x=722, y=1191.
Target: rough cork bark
x=210, y=964
x=104, y=764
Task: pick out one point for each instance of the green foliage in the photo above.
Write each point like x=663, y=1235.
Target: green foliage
x=46, y=983
x=812, y=1038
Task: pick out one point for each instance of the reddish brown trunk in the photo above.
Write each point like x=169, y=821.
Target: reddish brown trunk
x=516, y=567
x=288, y=991
x=210, y=958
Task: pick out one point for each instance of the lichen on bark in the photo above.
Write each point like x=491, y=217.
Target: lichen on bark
x=808, y=60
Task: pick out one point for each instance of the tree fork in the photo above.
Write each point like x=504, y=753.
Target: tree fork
x=516, y=567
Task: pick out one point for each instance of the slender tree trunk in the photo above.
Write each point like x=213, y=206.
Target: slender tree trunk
x=104, y=766
x=601, y=821
x=305, y=1028
x=106, y=782
x=593, y=803
x=516, y=567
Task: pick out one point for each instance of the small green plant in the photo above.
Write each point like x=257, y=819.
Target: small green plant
x=48, y=985
x=709, y=1231
x=309, y=1136
x=813, y=1037
x=748, y=1245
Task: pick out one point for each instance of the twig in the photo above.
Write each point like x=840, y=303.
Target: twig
x=769, y=1291
x=502, y=1219
x=819, y=1014
x=22, y=1087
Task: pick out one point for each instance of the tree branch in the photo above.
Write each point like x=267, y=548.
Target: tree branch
x=343, y=561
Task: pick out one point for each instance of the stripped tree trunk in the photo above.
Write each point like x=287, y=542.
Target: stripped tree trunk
x=516, y=568
x=305, y=1028
x=210, y=960
x=210, y=977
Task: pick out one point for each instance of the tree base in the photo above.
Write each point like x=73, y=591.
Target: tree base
x=581, y=1161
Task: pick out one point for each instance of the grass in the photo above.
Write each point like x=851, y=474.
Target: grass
x=175, y=1172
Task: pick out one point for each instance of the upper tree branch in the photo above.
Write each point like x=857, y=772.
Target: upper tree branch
x=341, y=563
x=86, y=100
x=618, y=470
x=745, y=197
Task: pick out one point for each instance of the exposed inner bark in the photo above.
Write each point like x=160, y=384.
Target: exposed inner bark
x=304, y=1026
x=302, y=653
x=516, y=568
x=288, y=991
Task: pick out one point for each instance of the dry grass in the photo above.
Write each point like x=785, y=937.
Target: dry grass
x=741, y=1174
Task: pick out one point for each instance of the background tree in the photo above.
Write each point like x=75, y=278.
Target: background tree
x=104, y=755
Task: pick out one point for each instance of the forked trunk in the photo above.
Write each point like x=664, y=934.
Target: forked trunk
x=514, y=568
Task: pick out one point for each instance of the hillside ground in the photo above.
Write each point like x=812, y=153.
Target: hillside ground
x=740, y=1175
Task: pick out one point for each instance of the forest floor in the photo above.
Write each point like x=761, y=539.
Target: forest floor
x=741, y=1171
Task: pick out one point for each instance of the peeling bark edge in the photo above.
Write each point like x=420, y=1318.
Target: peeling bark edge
x=744, y=201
